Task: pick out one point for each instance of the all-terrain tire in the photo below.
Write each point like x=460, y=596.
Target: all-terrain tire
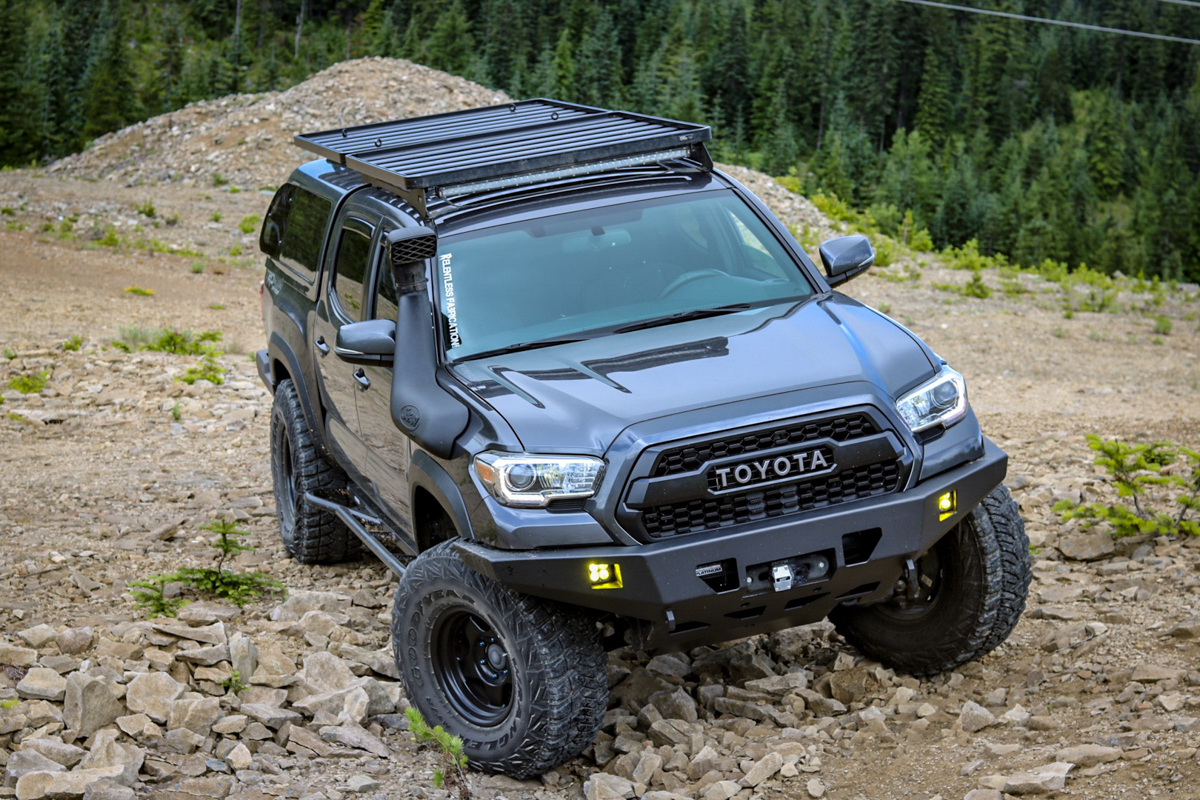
x=522, y=714
x=977, y=581
x=311, y=535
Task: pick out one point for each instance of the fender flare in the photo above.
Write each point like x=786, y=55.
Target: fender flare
x=424, y=472
x=278, y=349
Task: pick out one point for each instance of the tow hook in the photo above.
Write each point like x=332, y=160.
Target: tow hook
x=781, y=574
x=911, y=581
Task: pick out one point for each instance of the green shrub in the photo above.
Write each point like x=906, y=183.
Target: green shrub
x=250, y=224
x=217, y=180
x=73, y=343
x=163, y=340
x=832, y=207
x=30, y=383
x=886, y=218
x=885, y=251
x=976, y=287
x=1163, y=325
x=151, y=594
x=196, y=267
x=238, y=588
x=110, y=238
x=453, y=773
x=921, y=241
x=146, y=209
x=139, y=291
x=969, y=257
x=207, y=369
x=216, y=216
x=1136, y=471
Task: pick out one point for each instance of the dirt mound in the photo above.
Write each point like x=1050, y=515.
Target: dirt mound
x=247, y=139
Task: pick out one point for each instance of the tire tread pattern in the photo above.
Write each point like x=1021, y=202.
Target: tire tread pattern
x=317, y=536
x=998, y=582
x=568, y=667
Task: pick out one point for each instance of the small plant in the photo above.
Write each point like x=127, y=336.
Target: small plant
x=151, y=594
x=8, y=211
x=217, y=180
x=238, y=588
x=146, y=209
x=73, y=343
x=196, y=267
x=16, y=225
x=1137, y=472
x=9, y=353
x=164, y=340
x=976, y=287
x=217, y=306
x=236, y=250
x=453, y=774
x=10, y=703
x=110, y=238
x=176, y=411
x=1163, y=325
x=233, y=683
x=216, y=216
x=31, y=383
x=124, y=348
x=139, y=291
x=207, y=369
x=172, y=220
x=1059, y=332
x=885, y=308
x=249, y=224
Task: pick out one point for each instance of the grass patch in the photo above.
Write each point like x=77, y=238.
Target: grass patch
x=196, y=267
x=147, y=209
x=164, y=340
x=73, y=343
x=250, y=223
x=30, y=383
x=216, y=216
x=1163, y=325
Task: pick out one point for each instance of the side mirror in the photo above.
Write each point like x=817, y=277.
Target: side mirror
x=846, y=257
x=371, y=342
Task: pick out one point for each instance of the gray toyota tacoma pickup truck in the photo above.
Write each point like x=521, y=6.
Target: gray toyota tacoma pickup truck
x=580, y=390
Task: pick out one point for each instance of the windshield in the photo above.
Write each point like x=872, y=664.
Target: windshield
x=603, y=270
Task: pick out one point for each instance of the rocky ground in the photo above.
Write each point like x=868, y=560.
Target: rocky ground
x=110, y=470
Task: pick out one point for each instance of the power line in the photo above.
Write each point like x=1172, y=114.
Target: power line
x=1063, y=23
x=1183, y=2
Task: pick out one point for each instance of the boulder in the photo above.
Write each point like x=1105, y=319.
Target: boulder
x=1086, y=546
x=195, y=715
x=38, y=785
x=107, y=752
x=153, y=694
x=89, y=704
x=41, y=683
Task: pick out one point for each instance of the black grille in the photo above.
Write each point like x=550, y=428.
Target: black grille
x=777, y=501
x=692, y=457
x=417, y=248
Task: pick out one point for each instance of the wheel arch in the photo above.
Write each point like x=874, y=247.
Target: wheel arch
x=285, y=364
x=430, y=486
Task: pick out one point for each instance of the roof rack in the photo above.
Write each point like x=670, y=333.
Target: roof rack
x=499, y=147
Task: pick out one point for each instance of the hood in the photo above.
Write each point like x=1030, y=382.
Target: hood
x=576, y=398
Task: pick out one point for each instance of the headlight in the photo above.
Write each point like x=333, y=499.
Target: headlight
x=941, y=401
x=519, y=479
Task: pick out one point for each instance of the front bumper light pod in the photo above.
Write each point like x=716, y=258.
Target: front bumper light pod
x=532, y=481
x=940, y=401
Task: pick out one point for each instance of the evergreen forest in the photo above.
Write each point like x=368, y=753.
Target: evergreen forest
x=1036, y=141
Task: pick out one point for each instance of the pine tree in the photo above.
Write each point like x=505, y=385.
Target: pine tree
x=109, y=99
x=933, y=105
x=15, y=130
x=451, y=44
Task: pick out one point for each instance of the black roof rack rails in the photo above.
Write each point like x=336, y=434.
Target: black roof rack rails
x=466, y=152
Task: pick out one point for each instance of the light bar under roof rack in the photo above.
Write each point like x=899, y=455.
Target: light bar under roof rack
x=504, y=145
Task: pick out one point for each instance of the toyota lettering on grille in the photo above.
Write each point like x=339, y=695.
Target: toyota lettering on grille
x=753, y=472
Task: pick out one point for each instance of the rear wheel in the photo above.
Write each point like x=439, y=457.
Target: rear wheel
x=971, y=591
x=311, y=536
x=522, y=681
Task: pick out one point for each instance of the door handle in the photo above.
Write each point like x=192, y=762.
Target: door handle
x=361, y=378
x=321, y=346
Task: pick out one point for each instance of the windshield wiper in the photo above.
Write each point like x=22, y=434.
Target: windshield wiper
x=519, y=346
x=682, y=316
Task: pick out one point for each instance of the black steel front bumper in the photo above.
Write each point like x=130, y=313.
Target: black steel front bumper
x=673, y=607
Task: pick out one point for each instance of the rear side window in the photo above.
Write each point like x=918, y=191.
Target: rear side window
x=303, y=232
x=353, y=255
x=271, y=237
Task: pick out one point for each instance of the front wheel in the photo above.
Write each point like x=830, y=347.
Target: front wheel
x=972, y=587
x=522, y=681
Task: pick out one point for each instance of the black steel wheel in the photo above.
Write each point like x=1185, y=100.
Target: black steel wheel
x=970, y=591
x=311, y=536
x=522, y=681
x=471, y=665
